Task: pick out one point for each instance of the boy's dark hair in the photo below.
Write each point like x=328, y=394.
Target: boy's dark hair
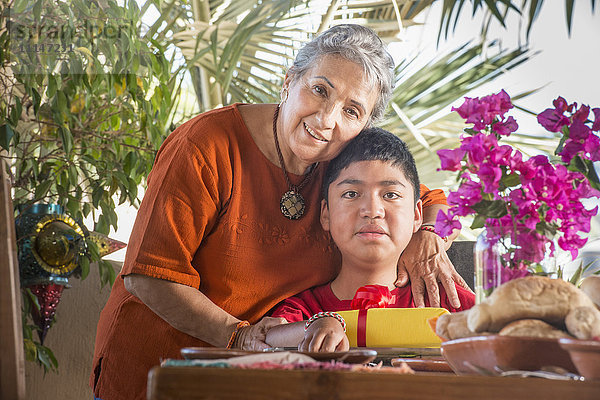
x=374, y=144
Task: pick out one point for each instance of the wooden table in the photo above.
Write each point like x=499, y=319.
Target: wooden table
x=192, y=383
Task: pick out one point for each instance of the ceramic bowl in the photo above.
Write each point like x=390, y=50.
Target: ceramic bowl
x=585, y=354
x=478, y=354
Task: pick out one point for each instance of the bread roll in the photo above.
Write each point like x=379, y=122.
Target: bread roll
x=453, y=326
x=584, y=322
x=591, y=287
x=531, y=297
x=533, y=328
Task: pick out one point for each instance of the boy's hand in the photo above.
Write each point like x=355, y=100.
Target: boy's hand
x=325, y=335
x=253, y=337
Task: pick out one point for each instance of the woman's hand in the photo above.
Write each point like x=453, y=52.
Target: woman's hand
x=425, y=263
x=325, y=335
x=253, y=337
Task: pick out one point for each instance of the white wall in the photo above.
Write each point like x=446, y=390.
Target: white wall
x=72, y=341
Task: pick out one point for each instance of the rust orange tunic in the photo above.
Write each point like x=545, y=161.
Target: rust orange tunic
x=210, y=219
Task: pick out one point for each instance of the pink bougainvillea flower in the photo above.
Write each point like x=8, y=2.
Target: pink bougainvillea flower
x=472, y=111
x=578, y=131
x=572, y=243
x=592, y=147
x=498, y=105
x=502, y=155
x=467, y=195
x=490, y=176
x=582, y=113
x=570, y=150
x=531, y=246
x=445, y=223
x=552, y=120
x=596, y=124
x=482, y=112
x=508, y=274
x=478, y=147
x=451, y=159
x=560, y=104
x=539, y=199
x=505, y=128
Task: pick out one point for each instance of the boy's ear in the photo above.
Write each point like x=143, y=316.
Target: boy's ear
x=418, y=216
x=324, y=215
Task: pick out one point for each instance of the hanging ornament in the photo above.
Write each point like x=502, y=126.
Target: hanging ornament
x=105, y=244
x=50, y=246
x=48, y=296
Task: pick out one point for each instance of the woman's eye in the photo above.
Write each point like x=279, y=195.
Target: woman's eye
x=352, y=112
x=320, y=90
x=350, y=194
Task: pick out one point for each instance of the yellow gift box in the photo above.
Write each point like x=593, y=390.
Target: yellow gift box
x=392, y=327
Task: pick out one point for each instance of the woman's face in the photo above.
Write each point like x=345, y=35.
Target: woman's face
x=326, y=108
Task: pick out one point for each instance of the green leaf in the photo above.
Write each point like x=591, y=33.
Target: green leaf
x=66, y=138
x=478, y=222
x=61, y=102
x=46, y=358
x=97, y=194
x=30, y=350
x=534, y=9
x=84, y=263
x=51, y=86
x=6, y=135
x=42, y=189
x=107, y=272
x=491, y=208
x=37, y=10
x=92, y=247
x=15, y=112
x=36, y=98
x=569, y=4
x=511, y=180
x=86, y=209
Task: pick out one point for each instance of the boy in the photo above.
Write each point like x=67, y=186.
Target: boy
x=371, y=207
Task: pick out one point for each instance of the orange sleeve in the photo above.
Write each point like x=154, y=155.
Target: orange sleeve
x=430, y=197
x=180, y=207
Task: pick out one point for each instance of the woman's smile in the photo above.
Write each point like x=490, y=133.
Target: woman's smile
x=314, y=134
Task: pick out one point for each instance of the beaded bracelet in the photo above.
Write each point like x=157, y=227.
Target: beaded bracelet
x=430, y=228
x=324, y=314
x=239, y=326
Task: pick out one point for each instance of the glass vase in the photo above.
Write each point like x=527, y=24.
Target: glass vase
x=494, y=263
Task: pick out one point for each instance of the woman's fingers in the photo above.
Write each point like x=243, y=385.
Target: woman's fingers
x=253, y=337
x=403, y=278
x=433, y=290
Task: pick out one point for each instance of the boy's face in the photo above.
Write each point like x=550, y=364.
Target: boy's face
x=371, y=213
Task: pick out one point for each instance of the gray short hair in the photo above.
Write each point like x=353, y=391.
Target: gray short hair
x=360, y=45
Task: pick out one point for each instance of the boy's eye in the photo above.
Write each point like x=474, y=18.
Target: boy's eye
x=391, y=196
x=350, y=194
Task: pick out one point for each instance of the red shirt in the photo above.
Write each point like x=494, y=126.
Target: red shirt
x=321, y=298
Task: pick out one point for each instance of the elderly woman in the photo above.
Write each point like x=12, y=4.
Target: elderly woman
x=229, y=224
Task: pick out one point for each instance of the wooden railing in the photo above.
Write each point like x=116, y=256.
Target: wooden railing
x=12, y=361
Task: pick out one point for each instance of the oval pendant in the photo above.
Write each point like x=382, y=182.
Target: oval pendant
x=292, y=205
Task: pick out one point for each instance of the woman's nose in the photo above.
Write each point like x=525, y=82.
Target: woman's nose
x=326, y=116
